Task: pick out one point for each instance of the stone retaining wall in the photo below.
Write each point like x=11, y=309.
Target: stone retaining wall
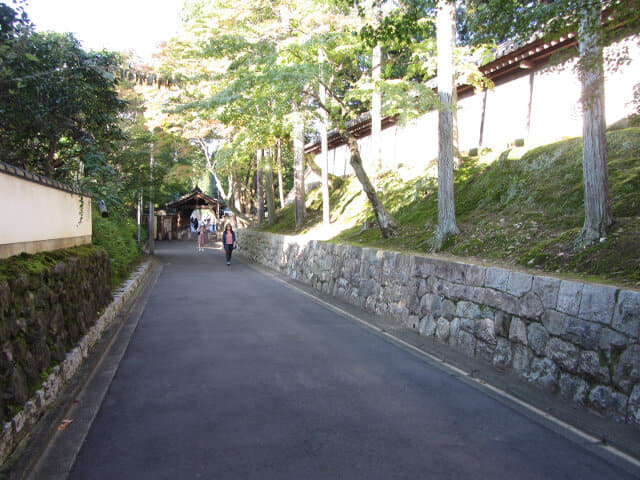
x=580, y=340
x=50, y=319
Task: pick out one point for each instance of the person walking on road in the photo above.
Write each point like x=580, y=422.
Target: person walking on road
x=229, y=242
x=202, y=237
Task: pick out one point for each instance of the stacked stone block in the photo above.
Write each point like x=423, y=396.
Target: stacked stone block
x=42, y=317
x=14, y=430
x=579, y=340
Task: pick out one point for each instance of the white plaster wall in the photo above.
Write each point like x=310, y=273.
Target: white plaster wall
x=506, y=113
x=620, y=81
x=338, y=161
x=555, y=113
x=419, y=145
x=469, y=117
x=32, y=212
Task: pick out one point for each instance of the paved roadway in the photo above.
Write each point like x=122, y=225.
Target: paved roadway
x=231, y=374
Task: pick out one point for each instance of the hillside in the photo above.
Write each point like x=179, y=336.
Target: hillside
x=519, y=208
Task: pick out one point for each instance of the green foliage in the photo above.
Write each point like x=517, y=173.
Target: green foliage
x=58, y=104
x=128, y=170
x=518, y=20
x=118, y=235
x=258, y=68
x=63, y=115
x=402, y=24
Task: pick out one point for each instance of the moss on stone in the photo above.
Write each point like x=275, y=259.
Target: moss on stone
x=34, y=338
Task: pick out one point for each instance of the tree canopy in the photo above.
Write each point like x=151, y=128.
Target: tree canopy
x=59, y=105
x=245, y=75
x=64, y=114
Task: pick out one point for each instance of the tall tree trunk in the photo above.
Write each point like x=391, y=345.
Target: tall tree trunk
x=247, y=192
x=376, y=97
x=482, y=118
x=279, y=160
x=457, y=158
x=376, y=111
x=229, y=197
x=445, y=35
x=298, y=169
x=207, y=152
x=259, y=188
x=388, y=225
x=597, y=210
x=232, y=190
x=268, y=180
x=235, y=200
x=51, y=152
x=324, y=154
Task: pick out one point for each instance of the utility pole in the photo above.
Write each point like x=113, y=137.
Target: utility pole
x=151, y=218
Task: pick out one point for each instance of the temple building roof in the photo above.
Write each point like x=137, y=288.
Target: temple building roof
x=194, y=199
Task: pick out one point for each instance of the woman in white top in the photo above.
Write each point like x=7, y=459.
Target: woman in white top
x=202, y=236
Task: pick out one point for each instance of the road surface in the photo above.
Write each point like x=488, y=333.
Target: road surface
x=230, y=374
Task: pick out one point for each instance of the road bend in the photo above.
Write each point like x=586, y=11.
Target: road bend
x=230, y=374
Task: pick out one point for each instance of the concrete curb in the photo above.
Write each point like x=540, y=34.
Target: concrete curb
x=15, y=433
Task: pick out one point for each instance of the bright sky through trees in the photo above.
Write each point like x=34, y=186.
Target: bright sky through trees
x=115, y=25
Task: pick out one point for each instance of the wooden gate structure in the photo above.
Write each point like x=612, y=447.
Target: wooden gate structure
x=173, y=221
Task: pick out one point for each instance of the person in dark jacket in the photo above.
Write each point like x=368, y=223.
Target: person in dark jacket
x=229, y=241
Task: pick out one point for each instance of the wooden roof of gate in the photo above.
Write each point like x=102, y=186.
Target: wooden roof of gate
x=194, y=199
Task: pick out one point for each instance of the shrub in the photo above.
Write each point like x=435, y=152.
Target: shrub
x=117, y=235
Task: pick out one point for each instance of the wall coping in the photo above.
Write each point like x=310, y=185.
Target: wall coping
x=40, y=179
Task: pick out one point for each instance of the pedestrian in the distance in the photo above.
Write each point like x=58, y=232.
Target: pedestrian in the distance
x=229, y=241
x=202, y=236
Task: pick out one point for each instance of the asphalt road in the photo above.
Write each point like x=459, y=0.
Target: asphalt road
x=232, y=375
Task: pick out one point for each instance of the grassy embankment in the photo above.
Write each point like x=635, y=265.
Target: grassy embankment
x=520, y=208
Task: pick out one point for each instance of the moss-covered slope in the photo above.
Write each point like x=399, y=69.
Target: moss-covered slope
x=519, y=208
